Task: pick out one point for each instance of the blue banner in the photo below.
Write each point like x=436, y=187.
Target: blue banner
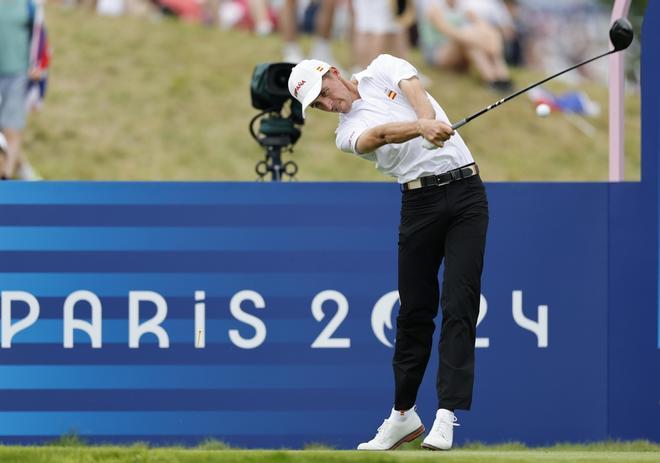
x=265, y=317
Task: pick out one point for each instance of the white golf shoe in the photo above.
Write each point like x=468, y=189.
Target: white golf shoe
x=441, y=435
x=392, y=433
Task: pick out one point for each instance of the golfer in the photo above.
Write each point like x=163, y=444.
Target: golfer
x=387, y=117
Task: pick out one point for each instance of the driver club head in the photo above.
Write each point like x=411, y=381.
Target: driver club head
x=621, y=34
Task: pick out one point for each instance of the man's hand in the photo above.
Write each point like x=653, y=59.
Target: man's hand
x=436, y=132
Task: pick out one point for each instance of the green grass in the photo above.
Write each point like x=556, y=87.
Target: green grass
x=137, y=99
x=613, y=451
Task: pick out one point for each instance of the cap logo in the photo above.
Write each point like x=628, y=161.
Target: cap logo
x=319, y=68
x=298, y=85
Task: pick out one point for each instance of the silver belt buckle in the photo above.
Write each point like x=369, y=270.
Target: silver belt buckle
x=414, y=184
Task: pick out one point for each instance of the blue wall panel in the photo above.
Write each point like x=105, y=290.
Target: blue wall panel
x=547, y=241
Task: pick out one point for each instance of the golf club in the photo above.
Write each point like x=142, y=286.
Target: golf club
x=621, y=35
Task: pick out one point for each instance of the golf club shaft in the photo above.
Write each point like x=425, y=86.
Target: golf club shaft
x=513, y=95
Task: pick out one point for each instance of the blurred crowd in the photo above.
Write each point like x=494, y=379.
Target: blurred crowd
x=481, y=38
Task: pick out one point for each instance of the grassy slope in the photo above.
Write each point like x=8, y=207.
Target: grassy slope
x=134, y=99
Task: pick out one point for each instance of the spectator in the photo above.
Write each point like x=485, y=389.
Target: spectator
x=504, y=16
x=376, y=31
x=3, y=151
x=494, y=12
x=39, y=62
x=17, y=19
x=110, y=7
x=515, y=42
x=292, y=52
x=255, y=15
x=454, y=39
x=263, y=24
x=188, y=10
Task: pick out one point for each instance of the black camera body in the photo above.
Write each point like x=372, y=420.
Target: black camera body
x=269, y=91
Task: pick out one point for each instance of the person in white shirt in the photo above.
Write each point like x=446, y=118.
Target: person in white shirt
x=386, y=116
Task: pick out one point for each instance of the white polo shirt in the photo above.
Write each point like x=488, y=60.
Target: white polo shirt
x=381, y=102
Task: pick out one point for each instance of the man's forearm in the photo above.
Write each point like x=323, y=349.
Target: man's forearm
x=392, y=132
x=437, y=132
x=399, y=132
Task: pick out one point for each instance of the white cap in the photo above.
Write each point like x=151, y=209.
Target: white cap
x=305, y=81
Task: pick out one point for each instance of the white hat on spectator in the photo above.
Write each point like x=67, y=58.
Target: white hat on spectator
x=305, y=81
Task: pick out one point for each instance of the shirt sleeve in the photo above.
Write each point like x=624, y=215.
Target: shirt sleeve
x=347, y=136
x=392, y=69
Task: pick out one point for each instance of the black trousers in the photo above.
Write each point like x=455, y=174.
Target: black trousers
x=440, y=223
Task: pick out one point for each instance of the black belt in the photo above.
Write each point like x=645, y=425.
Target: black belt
x=442, y=179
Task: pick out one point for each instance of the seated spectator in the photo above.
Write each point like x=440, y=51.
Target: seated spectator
x=504, y=16
x=494, y=12
x=454, y=39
